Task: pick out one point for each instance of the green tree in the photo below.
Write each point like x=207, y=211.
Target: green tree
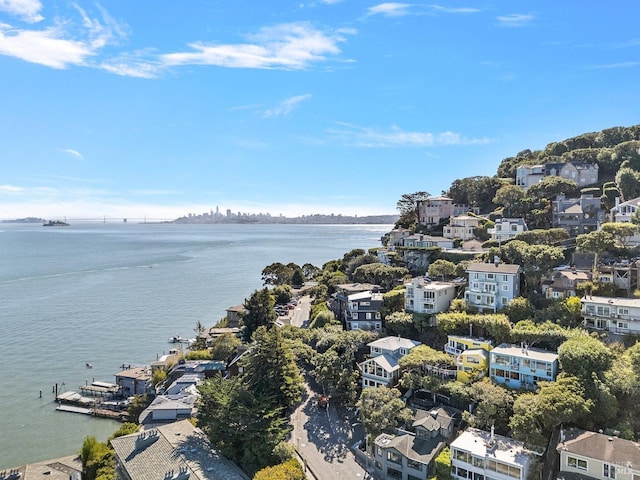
x=260, y=312
x=289, y=470
x=407, y=205
x=583, y=355
x=310, y=271
x=379, y=274
x=381, y=409
x=224, y=346
x=298, y=278
x=400, y=323
x=97, y=460
x=393, y=301
x=555, y=403
x=596, y=242
x=494, y=405
x=442, y=269
x=282, y=294
x=621, y=232
x=519, y=308
x=628, y=181
x=271, y=370
x=277, y=274
x=551, y=186
x=443, y=466
x=509, y=196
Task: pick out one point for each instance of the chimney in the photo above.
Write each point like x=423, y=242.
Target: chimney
x=496, y=260
x=492, y=433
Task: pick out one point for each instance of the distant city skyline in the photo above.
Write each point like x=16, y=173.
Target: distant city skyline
x=294, y=108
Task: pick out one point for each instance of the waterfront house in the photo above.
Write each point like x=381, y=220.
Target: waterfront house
x=577, y=215
x=478, y=454
x=592, y=455
x=410, y=455
x=363, y=311
x=182, y=383
x=492, y=286
x=522, y=367
x=170, y=408
x=507, y=228
x=234, y=315
x=134, y=380
x=176, y=451
x=429, y=297
x=616, y=315
x=462, y=226
x=382, y=368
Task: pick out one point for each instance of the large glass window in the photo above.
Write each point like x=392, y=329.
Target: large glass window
x=393, y=473
x=577, y=463
x=394, y=457
x=414, y=465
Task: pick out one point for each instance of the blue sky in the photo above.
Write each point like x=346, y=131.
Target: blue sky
x=158, y=109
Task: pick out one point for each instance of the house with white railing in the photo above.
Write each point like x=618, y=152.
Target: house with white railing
x=522, y=367
x=427, y=296
x=382, y=368
x=616, y=315
x=492, y=286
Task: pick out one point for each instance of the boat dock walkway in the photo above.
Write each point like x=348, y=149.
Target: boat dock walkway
x=95, y=412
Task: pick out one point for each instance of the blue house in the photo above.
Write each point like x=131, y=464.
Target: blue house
x=522, y=367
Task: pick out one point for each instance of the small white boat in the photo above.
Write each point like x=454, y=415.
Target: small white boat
x=178, y=339
x=88, y=365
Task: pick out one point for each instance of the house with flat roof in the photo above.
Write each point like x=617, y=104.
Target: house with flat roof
x=492, y=286
x=462, y=226
x=616, y=315
x=434, y=209
x=427, y=296
x=527, y=175
x=577, y=215
x=382, y=368
x=363, y=311
x=134, y=380
x=481, y=455
x=592, y=455
x=177, y=451
x=522, y=367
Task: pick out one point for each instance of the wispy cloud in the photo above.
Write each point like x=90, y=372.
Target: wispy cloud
x=10, y=190
x=286, y=46
x=73, y=153
x=27, y=10
x=286, y=107
x=396, y=137
x=62, y=44
x=440, y=8
x=515, y=20
x=390, y=9
x=630, y=64
x=396, y=9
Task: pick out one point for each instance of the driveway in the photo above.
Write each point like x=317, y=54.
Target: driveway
x=322, y=437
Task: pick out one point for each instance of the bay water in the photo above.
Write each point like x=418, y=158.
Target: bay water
x=109, y=294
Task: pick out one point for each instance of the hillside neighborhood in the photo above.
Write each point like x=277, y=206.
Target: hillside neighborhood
x=493, y=335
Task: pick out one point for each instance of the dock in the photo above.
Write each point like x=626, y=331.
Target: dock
x=95, y=412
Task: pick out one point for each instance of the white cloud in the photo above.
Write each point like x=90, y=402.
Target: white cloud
x=396, y=137
x=74, y=153
x=10, y=190
x=440, y=8
x=515, y=20
x=27, y=10
x=285, y=46
x=391, y=9
x=286, y=106
x=62, y=44
x=46, y=47
x=630, y=64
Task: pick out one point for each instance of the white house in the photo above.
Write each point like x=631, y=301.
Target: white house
x=425, y=296
x=527, y=175
x=623, y=212
x=616, y=315
x=507, y=228
x=479, y=454
x=462, y=226
x=586, y=454
x=382, y=368
x=492, y=286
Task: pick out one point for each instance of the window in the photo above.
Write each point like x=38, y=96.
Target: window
x=414, y=465
x=393, y=473
x=368, y=315
x=490, y=276
x=505, y=288
x=609, y=471
x=623, y=325
x=623, y=311
x=577, y=463
x=394, y=457
x=505, y=278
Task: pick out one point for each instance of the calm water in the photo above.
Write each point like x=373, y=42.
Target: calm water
x=110, y=294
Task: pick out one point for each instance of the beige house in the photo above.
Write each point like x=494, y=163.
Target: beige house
x=382, y=368
x=425, y=296
x=463, y=227
x=434, y=209
x=561, y=284
x=593, y=455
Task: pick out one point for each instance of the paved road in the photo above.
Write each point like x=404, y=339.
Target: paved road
x=300, y=313
x=323, y=437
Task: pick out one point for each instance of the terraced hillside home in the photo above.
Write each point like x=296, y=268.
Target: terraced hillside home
x=472, y=356
x=577, y=215
x=410, y=455
x=615, y=315
x=507, y=228
x=624, y=211
x=382, y=368
x=363, y=311
x=434, y=209
x=492, y=286
x=462, y=226
x=427, y=296
x=594, y=455
x=561, y=284
x=477, y=454
x=417, y=250
x=522, y=367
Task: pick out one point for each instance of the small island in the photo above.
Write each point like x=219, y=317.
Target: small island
x=55, y=223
